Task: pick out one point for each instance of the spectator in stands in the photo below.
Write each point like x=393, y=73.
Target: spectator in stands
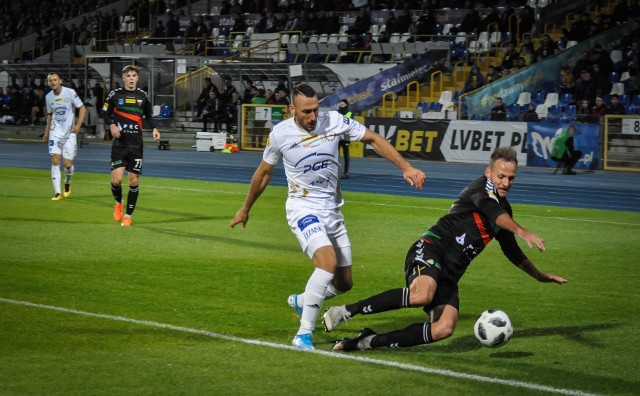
x=37, y=104
x=354, y=43
x=281, y=97
x=474, y=81
x=499, y=111
x=268, y=23
x=305, y=25
x=600, y=109
x=98, y=90
x=239, y=25
x=601, y=80
x=282, y=84
x=291, y=24
x=331, y=23
x=91, y=119
x=616, y=107
x=582, y=63
x=510, y=56
x=583, y=114
x=248, y=90
x=620, y=12
x=343, y=108
x=172, y=27
x=233, y=107
x=547, y=48
x=565, y=85
x=236, y=8
x=528, y=58
x=526, y=19
x=579, y=30
x=585, y=88
x=392, y=23
x=469, y=23
x=204, y=97
x=493, y=17
x=362, y=24
x=215, y=111
x=158, y=32
x=493, y=74
x=530, y=115
x=228, y=90
x=268, y=94
x=259, y=96
x=225, y=8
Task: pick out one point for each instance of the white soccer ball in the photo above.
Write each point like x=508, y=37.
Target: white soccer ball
x=493, y=328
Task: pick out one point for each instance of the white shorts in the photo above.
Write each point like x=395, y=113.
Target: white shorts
x=68, y=147
x=316, y=228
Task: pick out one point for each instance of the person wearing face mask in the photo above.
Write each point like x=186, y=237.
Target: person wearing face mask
x=343, y=108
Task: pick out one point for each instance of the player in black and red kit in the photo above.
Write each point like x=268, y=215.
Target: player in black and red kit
x=436, y=262
x=123, y=111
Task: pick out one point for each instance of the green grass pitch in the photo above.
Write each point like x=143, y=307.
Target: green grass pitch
x=181, y=304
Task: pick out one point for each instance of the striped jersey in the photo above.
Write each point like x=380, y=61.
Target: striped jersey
x=126, y=110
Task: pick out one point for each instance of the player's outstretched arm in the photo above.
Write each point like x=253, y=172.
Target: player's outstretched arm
x=259, y=183
x=412, y=175
x=505, y=222
x=528, y=267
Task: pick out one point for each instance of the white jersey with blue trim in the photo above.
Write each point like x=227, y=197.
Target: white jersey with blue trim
x=311, y=159
x=62, y=110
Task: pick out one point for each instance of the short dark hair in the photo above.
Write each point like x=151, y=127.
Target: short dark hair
x=615, y=96
x=304, y=90
x=506, y=153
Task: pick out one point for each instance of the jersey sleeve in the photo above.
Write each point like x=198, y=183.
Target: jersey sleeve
x=510, y=247
x=272, y=153
x=107, y=109
x=77, y=101
x=349, y=128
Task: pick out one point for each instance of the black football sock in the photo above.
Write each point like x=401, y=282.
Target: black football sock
x=415, y=334
x=117, y=192
x=385, y=301
x=132, y=198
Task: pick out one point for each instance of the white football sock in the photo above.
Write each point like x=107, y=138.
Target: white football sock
x=55, y=178
x=329, y=294
x=313, y=299
x=68, y=173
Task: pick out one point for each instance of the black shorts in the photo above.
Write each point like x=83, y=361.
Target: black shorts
x=128, y=157
x=425, y=258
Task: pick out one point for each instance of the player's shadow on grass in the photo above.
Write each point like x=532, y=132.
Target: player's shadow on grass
x=216, y=238
x=469, y=343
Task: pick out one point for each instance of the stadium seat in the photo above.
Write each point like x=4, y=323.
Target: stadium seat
x=538, y=98
x=625, y=100
x=569, y=114
x=617, y=88
x=524, y=99
x=541, y=110
x=554, y=113
x=513, y=112
x=614, y=77
x=565, y=99
x=551, y=99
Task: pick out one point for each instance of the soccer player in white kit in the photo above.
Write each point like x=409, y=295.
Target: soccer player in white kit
x=308, y=145
x=61, y=131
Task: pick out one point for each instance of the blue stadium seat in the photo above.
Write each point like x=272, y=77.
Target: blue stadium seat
x=566, y=99
x=513, y=112
x=554, y=113
x=625, y=100
x=538, y=98
x=569, y=114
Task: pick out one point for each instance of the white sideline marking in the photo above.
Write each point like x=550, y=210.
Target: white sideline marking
x=403, y=366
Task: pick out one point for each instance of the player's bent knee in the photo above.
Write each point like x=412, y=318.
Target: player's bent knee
x=440, y=331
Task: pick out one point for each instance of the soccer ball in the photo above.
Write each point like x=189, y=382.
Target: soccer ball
x=493, y=328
